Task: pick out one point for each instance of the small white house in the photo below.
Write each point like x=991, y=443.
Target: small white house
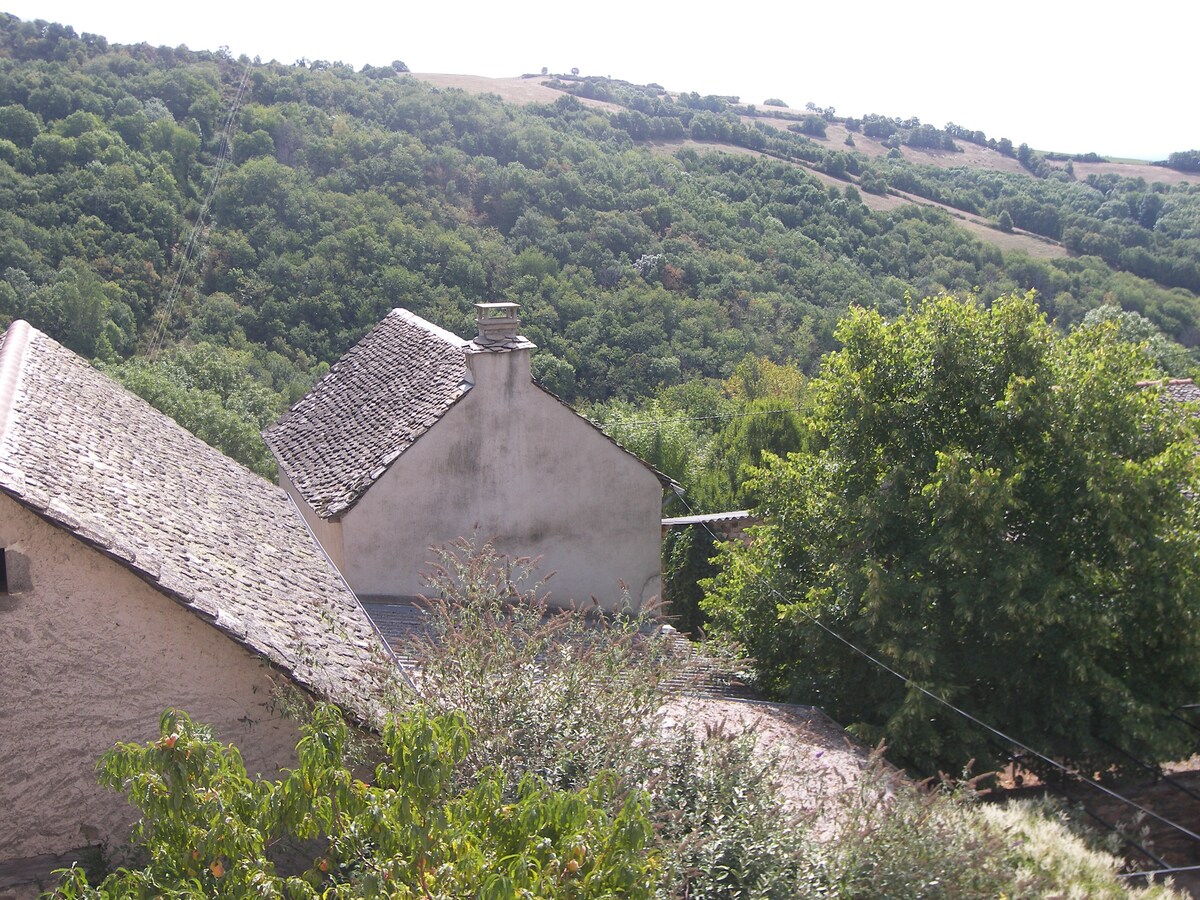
x=141, y=569
x=417, y=438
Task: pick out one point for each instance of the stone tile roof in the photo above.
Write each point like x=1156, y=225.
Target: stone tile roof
x=1181, y=390
x=374, y=404
x=88, y=456
x=502, y=345
x=1174, y=390
x=386, y=392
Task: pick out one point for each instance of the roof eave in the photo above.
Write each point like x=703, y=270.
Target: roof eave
x=107, y=548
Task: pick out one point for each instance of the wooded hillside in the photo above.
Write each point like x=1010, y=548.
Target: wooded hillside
x=341, y=194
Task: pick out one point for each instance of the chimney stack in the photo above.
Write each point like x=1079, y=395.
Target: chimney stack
x=498, y=357
x=497, y=323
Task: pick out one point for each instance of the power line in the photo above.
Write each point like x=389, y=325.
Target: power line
x=1008, y=739
x=1154, y=873
x=187, y=259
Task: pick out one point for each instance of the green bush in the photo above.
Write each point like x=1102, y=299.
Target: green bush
x=208, y=830
x=898, y=842
x=567, y=694
x=562, y=693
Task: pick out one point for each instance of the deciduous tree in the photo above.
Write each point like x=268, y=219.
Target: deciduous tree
x=996, y=511
x=210, y=830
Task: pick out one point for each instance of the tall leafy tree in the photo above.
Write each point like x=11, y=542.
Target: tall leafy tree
x=998, y=512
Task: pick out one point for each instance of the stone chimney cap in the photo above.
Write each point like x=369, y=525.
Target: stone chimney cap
x=498, y=324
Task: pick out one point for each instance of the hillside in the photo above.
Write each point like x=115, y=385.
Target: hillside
x=529, y=89
x=536, y=89
x=216, y=231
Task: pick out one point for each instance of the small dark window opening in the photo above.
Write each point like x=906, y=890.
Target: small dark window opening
x=3, y=573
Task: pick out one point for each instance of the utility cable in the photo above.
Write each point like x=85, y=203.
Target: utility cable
x=1153, y=873
x=188, y=257
x=1008, y=739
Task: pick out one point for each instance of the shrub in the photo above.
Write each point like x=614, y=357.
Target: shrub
x=567, y=694
x=724, y=829
x=210, y=830
x=899, y=842
x=650, y=810
x=563, y=693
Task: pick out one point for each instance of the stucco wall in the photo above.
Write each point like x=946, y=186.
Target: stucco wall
x=92, y=655
x=511, y=464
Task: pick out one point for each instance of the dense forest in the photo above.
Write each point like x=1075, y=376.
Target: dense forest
x=215, y=231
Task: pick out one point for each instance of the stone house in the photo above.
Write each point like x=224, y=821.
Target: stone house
x=417, y=437
x=142, y=569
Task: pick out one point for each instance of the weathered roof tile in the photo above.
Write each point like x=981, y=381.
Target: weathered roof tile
x=94, y=459
x=378, y=399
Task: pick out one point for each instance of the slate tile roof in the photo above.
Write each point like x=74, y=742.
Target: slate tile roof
x=386, y=392
x=377, y=400
x=1181, y=390
x=88, y=456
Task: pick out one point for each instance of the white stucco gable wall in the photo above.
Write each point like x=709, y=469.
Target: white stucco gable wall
x=93, y=655
x=511, y=464
x=328, y=532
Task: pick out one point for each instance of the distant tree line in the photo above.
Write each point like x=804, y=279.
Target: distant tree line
x=1183, y=160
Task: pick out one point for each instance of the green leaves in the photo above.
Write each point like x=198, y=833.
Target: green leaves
x=996, y=511
x=209, y=830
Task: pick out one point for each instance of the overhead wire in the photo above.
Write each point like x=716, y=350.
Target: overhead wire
x=188, y=257
x=1006, y=738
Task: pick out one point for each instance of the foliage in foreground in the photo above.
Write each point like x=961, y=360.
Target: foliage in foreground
x=563, y=693
x=651, y=811
x=1043, y=839
x=996, y=511
x=209, y=830
x=559, y=696
x=905, y=844
x=568, y=695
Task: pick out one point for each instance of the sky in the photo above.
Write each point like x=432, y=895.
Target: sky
x=1066, y=77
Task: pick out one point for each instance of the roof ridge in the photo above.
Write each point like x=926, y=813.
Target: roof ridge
x=436, y=330
x=12, y=364
x=1164, y=382
x=375, y=401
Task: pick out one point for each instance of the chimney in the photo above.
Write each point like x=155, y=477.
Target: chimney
x=498, y=357
x=497, y=323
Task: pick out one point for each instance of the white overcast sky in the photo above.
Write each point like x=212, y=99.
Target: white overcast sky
x=1120, y=80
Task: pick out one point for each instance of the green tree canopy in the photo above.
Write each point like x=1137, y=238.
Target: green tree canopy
x=996, y=511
